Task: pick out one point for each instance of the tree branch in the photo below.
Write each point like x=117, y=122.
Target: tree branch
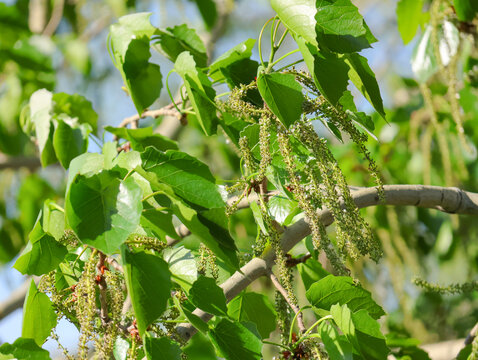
x=168, y=110
x=450, y=200
x=17, y=162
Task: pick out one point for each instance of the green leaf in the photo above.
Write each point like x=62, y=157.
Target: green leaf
x=182, y=265
x=40, y=107
x=42, y=253
x=195, y=320
x=206, y=295
x=340, y=27
x=256, y=212
x=128, y=28
x=130, y=39
x=173, y=41
x=200, y=92
x=72, y=116
x=347, y=102
x=298, y=17
x=281, y=207
x=239, y=52
x=424, y=62
x=311, y=271
x=86, y=164
x=409, y=13
x=24, y=349
x=235, y=341
x=66, y=275
x=207, y=225
x=111, y=213
x=465, y=9
x=53, y=219
x=339, y=17
x=76, y=107
x=283, y=95
x=159, y=222
x=371, y=340
x=362, y=331
x=190, y=179
x=208, y=11
x=69, y=142
x=161, y=348
x=364, y=79
x=141, y=138
x=255, y=308
x=328, y=71
x=342, y=290
x=38, y=315
x=143, y=79
x=148, y=281
x=200, y=348
x=337, y=346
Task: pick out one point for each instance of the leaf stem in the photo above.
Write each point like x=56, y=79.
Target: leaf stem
x=169, y=91
x=286, y=31
x=294, y=319
x=259, y=43
x=305, y=335
x=282, y=58
x=276, y=344
x=128, y=174
x=78, y=257
x=292, y=64
x=151, y=195
x=56, y=206
x=96, y=141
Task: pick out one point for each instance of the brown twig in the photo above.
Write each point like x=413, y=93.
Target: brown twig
x=168, y=110
x=114, y=264
x=56, y=15
x=295, y=308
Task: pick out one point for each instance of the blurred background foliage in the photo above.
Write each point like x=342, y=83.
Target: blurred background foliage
x=60, y=45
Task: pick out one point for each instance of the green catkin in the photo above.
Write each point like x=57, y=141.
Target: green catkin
x=147, y=242
x=264, y=145
x=69, y=238
x=241, y=108
x=319, y=234
x=249, y=162
x=64, y=350
x=283, y=317
x=207, y=263
x=86, y=306
x=448, y=289
x=353, y=233
x=115, y=299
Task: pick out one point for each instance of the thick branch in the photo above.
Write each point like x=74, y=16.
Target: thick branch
x=17, y=162
x=450, y=200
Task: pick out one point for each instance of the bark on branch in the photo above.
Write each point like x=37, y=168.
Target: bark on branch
x=450, y=200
